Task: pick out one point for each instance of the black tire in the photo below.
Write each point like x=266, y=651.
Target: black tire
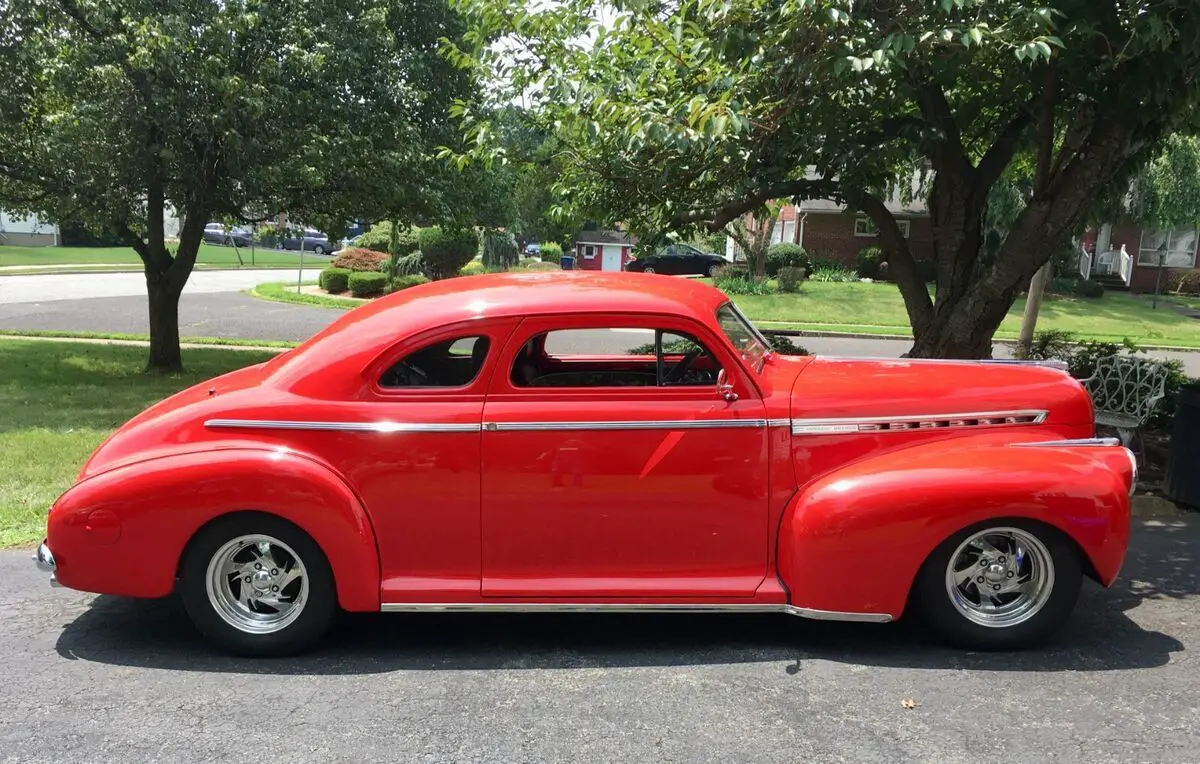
x=302, y=633
x=713, y=270
x=648, y=269
x=318, y=249
x=931, y=598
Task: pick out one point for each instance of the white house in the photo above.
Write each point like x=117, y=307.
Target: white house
x=27, y=231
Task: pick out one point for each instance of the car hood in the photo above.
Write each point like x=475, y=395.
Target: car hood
x=831, y=388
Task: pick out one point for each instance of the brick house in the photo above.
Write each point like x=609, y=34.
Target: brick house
x=1127, y=256
x=603, y=250
x=829, y=231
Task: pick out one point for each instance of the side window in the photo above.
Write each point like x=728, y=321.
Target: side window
x=614, y=357
x=448, y=363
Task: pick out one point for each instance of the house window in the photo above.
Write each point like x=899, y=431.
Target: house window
x=1177, y=246
x=448, y=363
x=589, y=252
x=866, y=227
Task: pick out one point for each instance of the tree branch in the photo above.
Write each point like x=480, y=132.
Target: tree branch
x=900, y=261
x=1000, y=154
x=719, y=216
x=1045, y=151
x=937, y=112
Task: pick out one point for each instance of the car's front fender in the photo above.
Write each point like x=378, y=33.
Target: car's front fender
x=124, y=530
x=853, y=540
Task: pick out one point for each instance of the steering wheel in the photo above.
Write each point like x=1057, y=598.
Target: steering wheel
x=681, y=368
x=421, y=378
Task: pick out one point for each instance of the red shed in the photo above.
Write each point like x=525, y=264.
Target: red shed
x=603, y=250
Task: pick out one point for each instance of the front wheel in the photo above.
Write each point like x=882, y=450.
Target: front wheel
x=648, y=269
x=257, y=585
x=999, y=585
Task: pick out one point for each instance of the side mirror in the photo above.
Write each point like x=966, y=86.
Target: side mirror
x=725, y=387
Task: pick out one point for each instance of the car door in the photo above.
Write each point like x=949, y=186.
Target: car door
x=669, y=261
x=606, y=481
x=418, y=471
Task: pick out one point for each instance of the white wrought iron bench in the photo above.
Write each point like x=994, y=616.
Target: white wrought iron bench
x=1125, y=390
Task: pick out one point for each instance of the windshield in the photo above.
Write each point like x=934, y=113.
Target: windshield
x=746, y=340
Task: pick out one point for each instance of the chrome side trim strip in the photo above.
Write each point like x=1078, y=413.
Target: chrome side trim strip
x=375, y=427
x=779, y=423
x=605, y=607
x=919, y=422
x=664, y=424
x=1075, y=443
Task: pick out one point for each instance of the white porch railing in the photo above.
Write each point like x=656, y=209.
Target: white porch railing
x=1126, y=266
x=1085, y=264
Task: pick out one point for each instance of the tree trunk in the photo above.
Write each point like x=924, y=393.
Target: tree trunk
x=165, y=355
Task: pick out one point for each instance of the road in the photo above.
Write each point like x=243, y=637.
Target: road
x=77, y=286
x=104, y=680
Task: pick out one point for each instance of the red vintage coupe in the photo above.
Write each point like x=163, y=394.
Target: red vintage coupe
x=591, y=441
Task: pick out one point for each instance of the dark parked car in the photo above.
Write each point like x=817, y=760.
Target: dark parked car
x=679, y=260
x=311, y=241
x=215, y=233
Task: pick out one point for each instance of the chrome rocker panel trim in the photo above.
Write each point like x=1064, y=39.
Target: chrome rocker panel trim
x=604, y=607
x=1072, y=443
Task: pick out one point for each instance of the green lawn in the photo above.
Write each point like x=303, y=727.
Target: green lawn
x=60, y=400
x=280, y=292
x=878, y=309
x=210, y=255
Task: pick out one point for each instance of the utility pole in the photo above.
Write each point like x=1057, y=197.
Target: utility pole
x=1033, y=303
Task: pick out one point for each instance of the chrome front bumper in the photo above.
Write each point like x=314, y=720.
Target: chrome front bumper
x=44, y=559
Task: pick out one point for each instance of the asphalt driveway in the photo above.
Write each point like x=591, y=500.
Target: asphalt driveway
x=104, y=680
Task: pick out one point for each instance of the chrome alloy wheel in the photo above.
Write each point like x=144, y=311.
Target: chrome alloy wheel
x=1000, y=577
x=257, y=584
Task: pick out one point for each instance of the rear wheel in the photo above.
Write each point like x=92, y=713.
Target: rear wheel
x=257, y=585
x=319, y=249
x=999, y=585
x=713, y=270
x=648, y=269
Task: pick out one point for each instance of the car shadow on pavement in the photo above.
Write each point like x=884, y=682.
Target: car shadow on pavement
x=1162, y=565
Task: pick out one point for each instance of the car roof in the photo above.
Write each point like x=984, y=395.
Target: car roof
x=368, y=329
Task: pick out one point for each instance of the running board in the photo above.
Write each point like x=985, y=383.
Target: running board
x=604, y=607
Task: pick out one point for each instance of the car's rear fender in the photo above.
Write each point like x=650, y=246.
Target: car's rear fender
x=123, y=531
x=853, y=540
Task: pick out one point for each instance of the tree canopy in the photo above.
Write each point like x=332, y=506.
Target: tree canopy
x=691, y=113
x=120, y=112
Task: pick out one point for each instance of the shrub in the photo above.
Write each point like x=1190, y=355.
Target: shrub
x=379, y=239
x=499, y=249
x=789, y=278
x=359, y=259
x=446, y=251
x=785, y=255
x=401, y=283
x=868, y=261
x=732, y=281
x=334, y=280
x=367, y=283
x=834, y=274
x=268, y=235
x=783, y=345
x=473, y=268
x=551, y=252
x=538, y=265
x=1187, y=282
x=1064, y=264
x=1066, y=287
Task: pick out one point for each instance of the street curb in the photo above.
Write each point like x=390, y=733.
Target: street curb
x=141, y=343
